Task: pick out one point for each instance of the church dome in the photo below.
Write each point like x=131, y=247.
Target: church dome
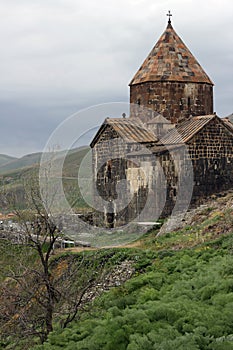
x=170, y=60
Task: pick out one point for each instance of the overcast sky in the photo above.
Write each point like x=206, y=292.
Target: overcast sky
x=58, y=56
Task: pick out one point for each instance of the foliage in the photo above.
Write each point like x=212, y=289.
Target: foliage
x=183, y=301
x=76, y=280
x=181, y=295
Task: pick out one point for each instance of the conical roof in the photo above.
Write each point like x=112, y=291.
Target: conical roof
x=170, y=60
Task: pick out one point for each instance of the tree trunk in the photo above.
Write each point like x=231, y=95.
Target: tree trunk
x=49, y=320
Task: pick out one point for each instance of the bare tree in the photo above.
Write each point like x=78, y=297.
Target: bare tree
x=41, y=287
x=33, y=283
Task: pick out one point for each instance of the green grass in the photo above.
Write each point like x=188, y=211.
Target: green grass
x=181, y=295
x=11, y=254
x=209, y=228
x=182, y=301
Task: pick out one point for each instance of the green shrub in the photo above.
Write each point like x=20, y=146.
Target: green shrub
x=184, y=302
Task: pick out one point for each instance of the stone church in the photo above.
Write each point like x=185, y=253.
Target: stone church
x=172, y=151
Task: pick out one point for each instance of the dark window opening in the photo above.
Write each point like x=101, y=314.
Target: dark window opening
x=110, y=215
x=109, y=172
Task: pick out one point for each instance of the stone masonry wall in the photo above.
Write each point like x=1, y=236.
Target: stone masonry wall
x=211, y=154
x=140, y=185
x=174, y=100
x=117, y=203
x=211, y=151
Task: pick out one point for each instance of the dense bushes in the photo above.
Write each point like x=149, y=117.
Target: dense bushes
x=184, y=301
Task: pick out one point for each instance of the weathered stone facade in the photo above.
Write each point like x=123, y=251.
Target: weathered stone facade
x=116, y=192
x=176, y=101
x=146, y=166
x=211, y=151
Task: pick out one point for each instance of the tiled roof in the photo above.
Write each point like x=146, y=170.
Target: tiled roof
x=186, y=130
x=170, y=60
x=129, y=130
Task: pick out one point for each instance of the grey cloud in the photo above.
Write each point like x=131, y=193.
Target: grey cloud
x=59, y=56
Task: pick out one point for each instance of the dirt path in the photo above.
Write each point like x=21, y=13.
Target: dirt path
x=81, y=249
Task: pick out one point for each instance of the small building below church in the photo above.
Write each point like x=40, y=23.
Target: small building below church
x=172, y=151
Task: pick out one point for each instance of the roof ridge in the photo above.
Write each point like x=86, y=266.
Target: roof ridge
x=206, y=116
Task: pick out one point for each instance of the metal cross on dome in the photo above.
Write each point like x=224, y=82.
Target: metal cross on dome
x=169, y=15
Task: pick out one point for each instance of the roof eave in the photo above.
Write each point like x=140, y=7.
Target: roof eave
x=171, y=81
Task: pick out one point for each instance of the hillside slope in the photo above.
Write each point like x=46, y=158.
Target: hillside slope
x=20, y=163
x=13, y=173
x=9, y=165
x=4, y=159
x=180, y=297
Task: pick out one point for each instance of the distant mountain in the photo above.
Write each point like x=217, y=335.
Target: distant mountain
x=4, y=159
x=12, y=173
x=10, y=165
x=19, y=163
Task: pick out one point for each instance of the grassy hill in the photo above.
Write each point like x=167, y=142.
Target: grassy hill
x=4, y=159
x=10, y=165
x=20, y=163
x=13, y=173
x=179, y=297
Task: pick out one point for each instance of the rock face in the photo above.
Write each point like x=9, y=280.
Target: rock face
x=122, y=273
x=214, y=205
